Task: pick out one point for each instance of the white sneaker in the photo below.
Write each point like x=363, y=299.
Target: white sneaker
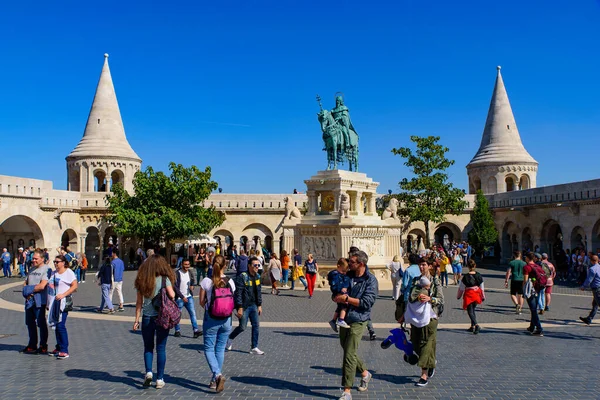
x=160, y=383
x=229, y=345
x=148, y=379
x=342, y=324
x=82, y=281
x=257, y=351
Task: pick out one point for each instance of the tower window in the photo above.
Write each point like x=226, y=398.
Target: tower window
x=98, y=121
x=507, y=126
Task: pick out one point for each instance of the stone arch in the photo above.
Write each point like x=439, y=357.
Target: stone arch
x=474, y=184
x=117, y=176
x=524, y=182
x=18, y=229
x=551, y=239
x=447, y=230
x=578, y=238
x=100, y=184
x=596, y=238
x=69, y=239
x=226, y=238
x=415, y=240
x=509, y=243
x=492, y=185
x=257, y=229
x=92, y=246
x=511, y=182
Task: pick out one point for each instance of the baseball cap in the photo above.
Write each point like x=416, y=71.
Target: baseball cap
x=538, y=255
x=211, y=250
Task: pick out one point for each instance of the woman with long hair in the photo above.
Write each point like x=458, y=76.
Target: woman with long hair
x=274, y=264
x=457, y=265
x=148, y=284
x=216, y=331
x=62, y=283
x=471, y=289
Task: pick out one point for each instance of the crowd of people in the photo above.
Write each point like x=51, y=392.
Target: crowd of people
x=232, y=286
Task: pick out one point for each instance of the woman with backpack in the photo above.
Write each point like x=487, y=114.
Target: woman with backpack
x=148, y=283
x=216, y=296
x=472, y=291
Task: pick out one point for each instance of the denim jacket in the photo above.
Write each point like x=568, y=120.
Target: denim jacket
x=365, y=289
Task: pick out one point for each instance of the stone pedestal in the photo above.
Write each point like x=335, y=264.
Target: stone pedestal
x=341, y=213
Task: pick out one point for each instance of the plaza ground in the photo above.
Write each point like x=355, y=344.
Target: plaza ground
x=303, y=356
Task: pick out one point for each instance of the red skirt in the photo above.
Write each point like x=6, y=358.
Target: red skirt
x=472, y=295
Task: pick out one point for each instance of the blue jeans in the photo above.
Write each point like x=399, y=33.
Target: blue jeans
x=285, y=273
x=216, y=333
x=149, y=329
x=532, y=302
x=35, y=317
x=595, y=303
x=541, y=299
x=302, y=279
x=6, y=269
x=22, y=272
x=252, y=313
x=62, y=337
x=444, y=276
x=78, y=274
x=189, y=306
x=106, y=300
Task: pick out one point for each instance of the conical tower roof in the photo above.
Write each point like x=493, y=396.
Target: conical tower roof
x=501, y=142
x=104, y=134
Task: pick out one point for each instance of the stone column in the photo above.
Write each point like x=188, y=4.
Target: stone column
x=312, y=202
x=90, y=176
x=108, y=182
x=372, y=204
x=82, y=236
x=336, y=202
x=358, y=204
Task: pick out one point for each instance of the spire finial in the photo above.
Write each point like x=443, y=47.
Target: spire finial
x=498, y=67
x=105, y=55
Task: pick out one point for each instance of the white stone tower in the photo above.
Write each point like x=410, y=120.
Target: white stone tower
x=501, y=164
x=103, y=156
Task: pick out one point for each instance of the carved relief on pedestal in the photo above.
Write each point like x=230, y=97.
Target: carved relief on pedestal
x=373, y=246
x=321, y=247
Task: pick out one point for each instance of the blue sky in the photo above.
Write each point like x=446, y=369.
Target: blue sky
x=232, y=84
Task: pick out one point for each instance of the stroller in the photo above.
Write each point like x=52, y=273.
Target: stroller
x=399, y=339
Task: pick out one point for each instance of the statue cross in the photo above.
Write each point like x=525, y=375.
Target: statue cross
x=319, y=101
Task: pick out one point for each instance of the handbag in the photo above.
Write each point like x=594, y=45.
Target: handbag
x=68, y=304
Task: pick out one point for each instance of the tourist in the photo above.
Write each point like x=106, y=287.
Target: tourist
x=140, y=256
x=216, y=331
x=248, y=303
x=5, y=257
x=409, y=275
x=274, y=270
x=200, y=265
x=148, y=283
x=84, y=266
x=21, y=254
x=531, y=273
x=297, y=271
x=472, y=291
x=35, y=315
x=360, y=300
x=396, y=272
x=424, y=338
x=285, y=268
x=184, y=295
x=546, y=296
x=457, y=263
x=515, y=274
x=61, y=284
x=445, y=268
x=210, y=256
x=118, y=268
x=370, y=329
x=241, y=264
x=593, y=282
x=104, y=277
x=311, y=269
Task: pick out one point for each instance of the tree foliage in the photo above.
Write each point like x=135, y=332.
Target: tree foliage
x=484, y=231
x=428, y=196
x=163, y=207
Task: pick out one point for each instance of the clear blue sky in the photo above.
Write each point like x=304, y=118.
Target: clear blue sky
x=232, y=84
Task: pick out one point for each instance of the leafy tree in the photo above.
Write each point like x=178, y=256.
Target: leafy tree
x=428, y=196
x=484, y=231
x=163, y=207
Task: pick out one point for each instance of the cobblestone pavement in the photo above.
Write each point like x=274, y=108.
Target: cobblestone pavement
x=303, y=359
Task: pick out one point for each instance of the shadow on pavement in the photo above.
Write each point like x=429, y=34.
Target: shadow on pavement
x=395, y=379
x=281, y=384
x=308, y=334
x=547, y=333
x=106, y=377
x=11, y=347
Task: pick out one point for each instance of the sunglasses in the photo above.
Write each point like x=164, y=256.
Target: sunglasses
x=256, y=265
x=59, y=261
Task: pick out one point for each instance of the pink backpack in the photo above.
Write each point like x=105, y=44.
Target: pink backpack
x=169, y=314
x=221, y=303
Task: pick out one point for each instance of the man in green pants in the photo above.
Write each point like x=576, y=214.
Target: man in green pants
x=359, y=300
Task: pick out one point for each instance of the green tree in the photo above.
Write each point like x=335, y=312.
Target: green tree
x=163, y=207
x=484, y=231
x=428, y=196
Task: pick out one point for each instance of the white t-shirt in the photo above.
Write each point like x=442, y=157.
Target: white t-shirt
x=207, y=285
x=183, y=285
x=58, y=284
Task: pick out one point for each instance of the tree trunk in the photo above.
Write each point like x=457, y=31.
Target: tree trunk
x=427, y=242
x=168, y=251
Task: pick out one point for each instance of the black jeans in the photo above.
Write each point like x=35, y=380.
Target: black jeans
x=471, y=312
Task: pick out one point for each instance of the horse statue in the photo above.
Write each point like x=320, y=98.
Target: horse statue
x=339, y=136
